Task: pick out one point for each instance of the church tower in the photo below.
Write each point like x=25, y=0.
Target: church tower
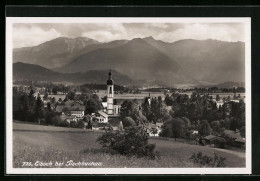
x=110, y=95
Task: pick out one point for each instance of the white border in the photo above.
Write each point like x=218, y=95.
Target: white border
x=9, y=122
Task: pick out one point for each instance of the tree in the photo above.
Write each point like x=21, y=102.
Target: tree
x=24, y=109
x=71, y=95
x=128, y=121
x=65, y=109
x=132, y=142
x=87, y=118
x=158, y=111
x=217, y=97
x=168, y=100
x=38, y=111
x=91, y=106
x=216, y=126
x=187, y=122
x=55, y=90
x=53, y=100
x=227, y=122
x=178, y=127
x=49, y=106
x=174, y=128
x=146, y=109
x=45, y=97
x=243, y=131
x=51, y=118
x=131, y=109
x=73, y=124
x=204, y=128
x=31, y=96
x=81, y=124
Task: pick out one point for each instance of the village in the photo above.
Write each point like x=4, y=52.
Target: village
x=104, y=113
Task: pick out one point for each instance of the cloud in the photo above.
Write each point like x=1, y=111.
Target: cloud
x=34, y=34
x=24, y=36
x=204, y=31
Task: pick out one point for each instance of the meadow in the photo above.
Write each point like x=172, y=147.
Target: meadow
x=33, y=143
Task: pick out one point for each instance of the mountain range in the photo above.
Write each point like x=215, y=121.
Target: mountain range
x=142, y=59
x=24, y=71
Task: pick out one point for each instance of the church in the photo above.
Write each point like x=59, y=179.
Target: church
x=110, y=108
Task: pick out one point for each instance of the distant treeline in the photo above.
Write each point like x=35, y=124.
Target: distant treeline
x=200, y=90
x=103, y=87
x=117, y=88
x=216, y=90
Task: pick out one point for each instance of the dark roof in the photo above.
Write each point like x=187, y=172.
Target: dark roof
x=240, y=140
x=110, y=82
x=232, y=134
x=212, y=137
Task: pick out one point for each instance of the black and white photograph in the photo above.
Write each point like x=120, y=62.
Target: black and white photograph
x=128, y=95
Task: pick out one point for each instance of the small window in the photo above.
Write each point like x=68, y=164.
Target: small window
x=110, y=90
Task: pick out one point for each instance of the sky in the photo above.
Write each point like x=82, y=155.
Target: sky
x=26, y=35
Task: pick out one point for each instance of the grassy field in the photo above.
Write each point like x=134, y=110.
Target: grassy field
x=33, y=143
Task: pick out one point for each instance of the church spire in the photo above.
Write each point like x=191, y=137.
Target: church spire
x=110, y=81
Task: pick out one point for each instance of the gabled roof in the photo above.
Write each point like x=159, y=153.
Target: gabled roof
x=232, y=133
x=103, y=114
x=212, y=137
x=241, y=140
x=104, y=104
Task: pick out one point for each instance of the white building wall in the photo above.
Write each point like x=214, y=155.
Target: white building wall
x=110, y=99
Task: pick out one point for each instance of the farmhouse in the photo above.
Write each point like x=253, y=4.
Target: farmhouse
x=79, y=114
x=101, y=117
x=235, y=135
x=211, y=139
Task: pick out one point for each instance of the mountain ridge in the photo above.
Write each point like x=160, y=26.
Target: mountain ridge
x=24, y=71
x=183, y=61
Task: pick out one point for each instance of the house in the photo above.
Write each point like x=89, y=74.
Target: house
x=68, y=118
x=195, y=132
x=235, y=135
x=101, y=117
x=71, y=118
x=235, y=100
x=78, y=114
x=72, y=108
x=240, y=141
x=219, y=103
x=212, y=139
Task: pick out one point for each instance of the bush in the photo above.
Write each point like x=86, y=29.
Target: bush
x=73, y=124
x=132, y=142
x=81, y=124
x=128, y=121
x=64, y=124
x=207, y=161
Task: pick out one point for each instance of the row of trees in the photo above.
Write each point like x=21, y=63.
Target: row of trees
x=26, y=107
x=29, y=108
x=90, y=101
x=199, y=112
x=213, y=90
x=203, y=114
